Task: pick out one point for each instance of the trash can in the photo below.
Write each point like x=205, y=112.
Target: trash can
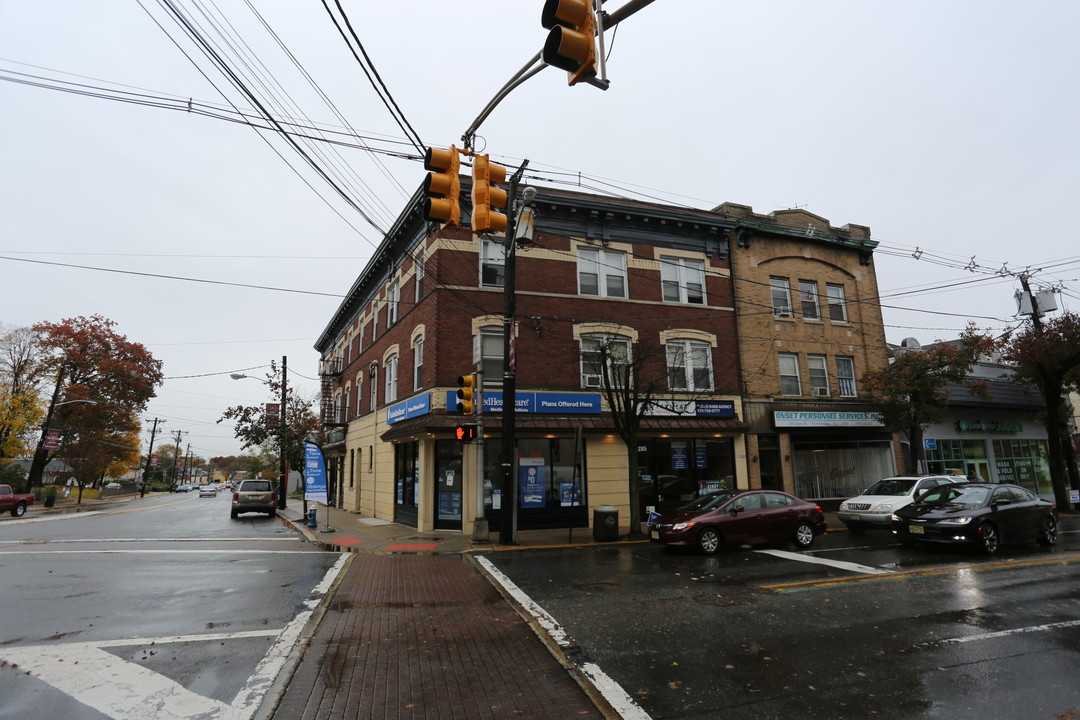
x=311, y=521
x=605, y=523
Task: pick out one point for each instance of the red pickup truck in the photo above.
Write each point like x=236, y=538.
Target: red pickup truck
x=14, y=502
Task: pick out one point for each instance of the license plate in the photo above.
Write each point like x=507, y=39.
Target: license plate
x=654, y=535
x=854, y=517
x=915, y=529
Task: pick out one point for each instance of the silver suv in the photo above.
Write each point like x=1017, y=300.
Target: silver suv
x=254, y=496
x=874, y=508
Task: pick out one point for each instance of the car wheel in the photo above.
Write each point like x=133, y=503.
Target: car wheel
x=990, y=538
x=1047, y=531
x=709, y=541
x=233, y=514
x=804, y=535
x=272, y=513
x=19, y=510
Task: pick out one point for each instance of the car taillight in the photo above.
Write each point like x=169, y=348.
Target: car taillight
x=273, y=497
x=818, y=508
x=236, y=496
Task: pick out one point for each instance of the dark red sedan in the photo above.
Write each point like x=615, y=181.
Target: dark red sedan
x=739, y=517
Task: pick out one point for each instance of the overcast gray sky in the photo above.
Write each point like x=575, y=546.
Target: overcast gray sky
x=949, y=128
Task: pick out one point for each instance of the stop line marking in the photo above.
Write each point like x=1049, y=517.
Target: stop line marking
x=839, y=564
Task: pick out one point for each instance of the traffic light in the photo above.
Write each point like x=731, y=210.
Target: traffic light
x=571, y=40
x=466, y=394
x=443, y=185
x=487, y=199
x=465, y=433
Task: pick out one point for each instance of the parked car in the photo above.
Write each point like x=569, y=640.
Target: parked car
x=875, y=506
x=207, y=491
x=254, y=496
x=979, y=514
x=738, y=517
x=13, y=502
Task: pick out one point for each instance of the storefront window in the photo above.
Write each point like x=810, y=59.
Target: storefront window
x=1024, y=463
x=550, y=484
x=839, y=469
x=448, y=481
x=406, y=482
x=958, y=457
x=674, y=471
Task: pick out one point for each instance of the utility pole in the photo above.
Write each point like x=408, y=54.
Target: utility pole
x=149, y=456
x=283, y=436
x=176, y=460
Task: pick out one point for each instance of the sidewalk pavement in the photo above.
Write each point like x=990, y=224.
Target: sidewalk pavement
x=415, y=629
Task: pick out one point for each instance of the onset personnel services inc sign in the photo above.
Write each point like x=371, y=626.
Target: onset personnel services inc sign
x=829, y=418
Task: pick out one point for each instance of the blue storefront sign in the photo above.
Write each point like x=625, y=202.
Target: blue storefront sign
x=532, y=486
x=413, y=407
x=314, y=474
x=538, y=402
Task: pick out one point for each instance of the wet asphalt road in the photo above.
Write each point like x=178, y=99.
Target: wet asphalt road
x=918, y=633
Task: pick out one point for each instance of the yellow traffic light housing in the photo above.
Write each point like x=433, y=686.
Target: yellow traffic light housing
x=571, y=40
x=487, y=199
x=444, y=187
x=466, y=394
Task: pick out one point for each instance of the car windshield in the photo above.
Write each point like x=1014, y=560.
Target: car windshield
x=891, y=486
x=708, y=502
x=957, y=495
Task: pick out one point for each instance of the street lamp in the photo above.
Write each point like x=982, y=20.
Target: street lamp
x=283, y=466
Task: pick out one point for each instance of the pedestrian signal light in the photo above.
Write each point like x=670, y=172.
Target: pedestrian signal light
x=465, y=433
x=443, y=187
x=487, y=199
x=571, y=40
x=466, y=394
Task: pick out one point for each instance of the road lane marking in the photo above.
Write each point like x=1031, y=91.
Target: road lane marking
x=125, y=690
x=825, y=583
x=1006, y=633
x=155, y=552
x=839, y=564
x=612, y=692
x=51, y=541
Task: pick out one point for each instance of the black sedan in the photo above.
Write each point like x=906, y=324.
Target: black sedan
x=979, y=514
x=734, y=517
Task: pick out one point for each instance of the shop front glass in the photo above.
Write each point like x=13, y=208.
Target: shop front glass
x=958, y=457
x=550, y=484
x=1025, y=463
x=839, y=469
x=448, y=482
x=674, y=471
x=406, y=482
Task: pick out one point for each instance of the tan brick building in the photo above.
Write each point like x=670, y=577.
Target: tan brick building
x=809, y=325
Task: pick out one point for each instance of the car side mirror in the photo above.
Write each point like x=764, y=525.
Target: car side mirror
x=737, y=509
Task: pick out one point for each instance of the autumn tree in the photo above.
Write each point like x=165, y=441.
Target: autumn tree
x=90, y=361
x=912, y=392
x=22, y=375
x=231, y=464
x=255, y=428
x=1047, y=356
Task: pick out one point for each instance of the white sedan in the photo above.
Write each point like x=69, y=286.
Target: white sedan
x=207, y=491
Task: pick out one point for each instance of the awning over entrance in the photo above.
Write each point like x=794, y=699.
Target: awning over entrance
x=417, y=427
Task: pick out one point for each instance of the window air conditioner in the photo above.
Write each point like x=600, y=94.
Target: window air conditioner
x=592, y=381
x=821, y=392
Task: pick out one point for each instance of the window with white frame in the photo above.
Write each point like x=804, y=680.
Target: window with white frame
x=837, y=303
x=359, y=392
x=492, y=264
x=808, y=300
x=781, y=296
x=683, y=280
x=419, y=260
x=790, y=384
x=689, y=365
x=393, y=297
x=373, y=384
x=374, y=321
x=491, y=354
x=601, y=272
x=418, y=362
x=819, y=375
x=390, y=370
x=605, y=355
x=347, y=405
x=845, y=376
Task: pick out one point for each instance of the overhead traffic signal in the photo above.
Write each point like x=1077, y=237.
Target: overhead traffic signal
x=487, y=199
x=571, y=40
x=466, y=394
x=465, y=433
x=443, y=185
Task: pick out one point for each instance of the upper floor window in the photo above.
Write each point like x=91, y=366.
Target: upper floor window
x=359, y=393
x=819, y=375
x=492, y=264
x=491, y=354
x=601, y=272
x=605, y=355
x=374, y=321
x=837, y=304
x=347, y=405
x=781, y=296
x=390, y=393
x=683, y=280
x=419, y=276
x=689, y=365
x=418, y=363
x=808, y=300
x=790, y=384
x=373, y=381
x=393, y=297
x=845, y=376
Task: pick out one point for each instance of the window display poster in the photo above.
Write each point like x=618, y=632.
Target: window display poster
x=449, y=506
x=569, y=495
x=532, y=482
x=400, y=492
x=701, y=460
x=679, y=458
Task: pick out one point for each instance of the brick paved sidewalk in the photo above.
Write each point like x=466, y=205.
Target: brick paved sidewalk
x=426, y=636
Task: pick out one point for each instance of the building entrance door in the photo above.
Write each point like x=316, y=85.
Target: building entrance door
x=448, y=484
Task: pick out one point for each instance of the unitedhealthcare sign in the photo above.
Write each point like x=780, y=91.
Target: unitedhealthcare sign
x=413, y=407
x=538, y=402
